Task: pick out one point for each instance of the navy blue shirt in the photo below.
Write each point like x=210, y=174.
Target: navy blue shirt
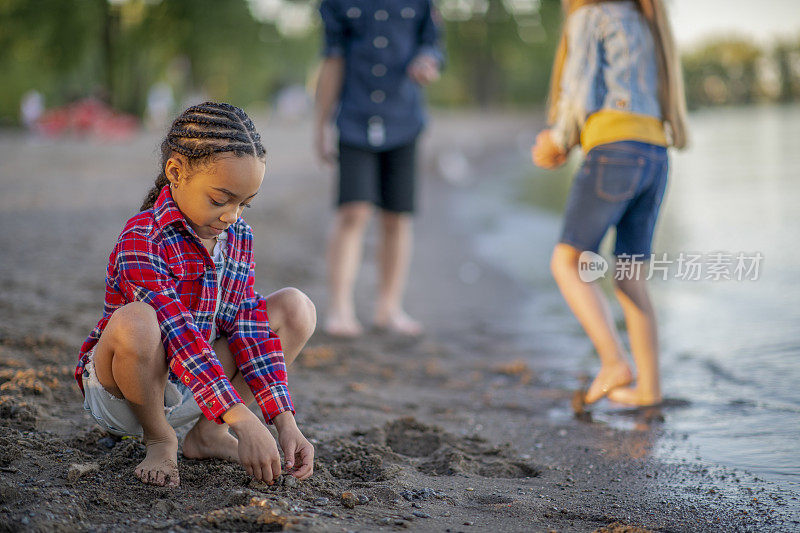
x=380, y=106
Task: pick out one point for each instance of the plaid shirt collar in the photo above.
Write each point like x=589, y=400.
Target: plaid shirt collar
x=166, y=212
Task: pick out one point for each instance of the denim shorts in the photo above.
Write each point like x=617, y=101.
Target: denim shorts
x=620, y=184
x=115, y=415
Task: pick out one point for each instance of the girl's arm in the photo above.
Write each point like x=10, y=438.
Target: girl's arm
x=258, y=354
x=144, y=276
x=581, y=66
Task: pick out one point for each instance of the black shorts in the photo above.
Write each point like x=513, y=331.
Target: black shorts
x=385, y=179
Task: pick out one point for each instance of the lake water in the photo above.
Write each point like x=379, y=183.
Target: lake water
x=730, y=348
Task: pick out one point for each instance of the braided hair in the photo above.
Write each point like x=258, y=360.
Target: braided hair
x=201, y=132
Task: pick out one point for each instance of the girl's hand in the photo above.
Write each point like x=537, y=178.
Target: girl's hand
x=258, y=453
x=545, y=153
x=424, y=69
x=297, y=451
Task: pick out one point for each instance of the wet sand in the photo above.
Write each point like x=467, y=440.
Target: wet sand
x=451, y=432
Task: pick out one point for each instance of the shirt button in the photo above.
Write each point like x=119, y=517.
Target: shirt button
x=379, y=70
x=408, y=13
x=353, y=13
x=381, y=14
x=377, y=96
x=380, y=42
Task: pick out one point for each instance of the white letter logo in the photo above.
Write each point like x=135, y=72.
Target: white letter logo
x=591, y=266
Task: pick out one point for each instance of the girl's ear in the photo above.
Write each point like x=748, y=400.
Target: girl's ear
x=175, y=169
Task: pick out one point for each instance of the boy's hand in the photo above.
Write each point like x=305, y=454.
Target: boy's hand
x=546, y=153
x=424, y=69
x=258, y=453
x=297, y=451
x=323, y=145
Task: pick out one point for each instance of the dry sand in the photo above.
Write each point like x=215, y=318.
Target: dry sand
x=447, y=433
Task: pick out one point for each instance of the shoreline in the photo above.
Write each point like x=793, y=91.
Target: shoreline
x=452, y=429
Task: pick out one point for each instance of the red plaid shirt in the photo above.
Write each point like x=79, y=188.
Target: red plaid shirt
x=159, y=260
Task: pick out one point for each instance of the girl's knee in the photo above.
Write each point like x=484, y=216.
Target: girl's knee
x=295, y=311
x=134, y=329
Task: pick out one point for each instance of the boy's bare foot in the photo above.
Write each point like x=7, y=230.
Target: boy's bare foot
x=633, y=396
x=610, y=377
x=160, y=465
x=348, y=328
x=206, y=442
x=398, y=322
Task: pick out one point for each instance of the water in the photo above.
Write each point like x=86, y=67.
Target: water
x=729, y=348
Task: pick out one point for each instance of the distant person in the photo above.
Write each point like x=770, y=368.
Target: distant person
x=378, y=55
x=617, y=90
x=184, y=337
x=31, y=108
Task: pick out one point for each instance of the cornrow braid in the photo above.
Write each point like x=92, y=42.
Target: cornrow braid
x=203, y=131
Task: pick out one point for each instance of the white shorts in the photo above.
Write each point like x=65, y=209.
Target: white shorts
x=115, y=415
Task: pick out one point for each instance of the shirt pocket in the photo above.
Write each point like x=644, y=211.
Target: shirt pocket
x=618, y=178
x=186, y=269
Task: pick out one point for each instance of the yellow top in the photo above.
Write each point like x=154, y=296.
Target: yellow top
x=612, y=125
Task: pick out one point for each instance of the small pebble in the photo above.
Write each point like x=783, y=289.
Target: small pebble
x=349, y=500
x=321, y=502
x=289, y=481
x=470, y=489
x=363, y=499
x=416, y=505
x=421, y=514
x=469, y=523
x=77, y=471
x=107, y=442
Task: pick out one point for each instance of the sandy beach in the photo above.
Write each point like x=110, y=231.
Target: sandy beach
x=450, y=432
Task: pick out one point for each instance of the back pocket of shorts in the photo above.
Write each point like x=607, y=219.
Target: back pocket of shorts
x=618, y=178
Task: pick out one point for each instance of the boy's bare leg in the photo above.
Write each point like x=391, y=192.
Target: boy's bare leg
x=640, y=319
x=394, y=258
x=344, y=258
x=293, y=318
x=130, y=363
x=590, y=307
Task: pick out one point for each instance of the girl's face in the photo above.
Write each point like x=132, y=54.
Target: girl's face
x=213, y=196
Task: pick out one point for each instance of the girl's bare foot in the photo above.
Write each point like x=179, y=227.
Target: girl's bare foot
x=160, y=465
x=344, y=327
x=610, y=377
x=633, y=396
x=398, y=322
x=205, y=441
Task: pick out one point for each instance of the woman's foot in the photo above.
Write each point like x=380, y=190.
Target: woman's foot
x=342, y=326
x=206, y=442
x=398, y=322
x=609, y=378
x=634, y=397
x=160, y=465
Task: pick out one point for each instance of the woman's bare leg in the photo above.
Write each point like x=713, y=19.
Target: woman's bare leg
x=130, y=363
x=640, y=320
x=590, y=307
